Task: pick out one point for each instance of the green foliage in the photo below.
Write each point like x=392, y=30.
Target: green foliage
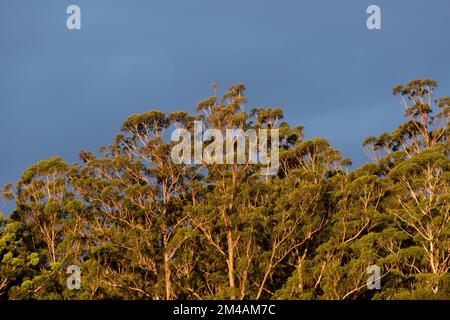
x=141, y=227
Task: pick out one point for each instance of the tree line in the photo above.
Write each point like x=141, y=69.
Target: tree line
x=141, y=227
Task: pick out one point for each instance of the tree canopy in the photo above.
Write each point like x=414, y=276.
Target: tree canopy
x=143, y=227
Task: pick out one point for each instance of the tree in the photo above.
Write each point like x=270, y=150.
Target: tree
x=142, y=225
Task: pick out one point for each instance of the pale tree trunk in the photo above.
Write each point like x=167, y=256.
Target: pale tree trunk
x=167, y=274
x=230, y=262
x=167, y=271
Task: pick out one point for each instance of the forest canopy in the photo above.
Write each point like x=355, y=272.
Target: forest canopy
x=140, y=226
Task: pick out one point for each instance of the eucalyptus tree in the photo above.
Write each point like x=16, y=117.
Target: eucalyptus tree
x=43, y=224
x=144, y=221
x=136, y=194
x=415, y=166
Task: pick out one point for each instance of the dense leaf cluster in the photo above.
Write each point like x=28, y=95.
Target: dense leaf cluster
x=142, y=227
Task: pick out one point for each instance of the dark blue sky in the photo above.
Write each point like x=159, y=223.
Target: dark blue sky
x=62, y=91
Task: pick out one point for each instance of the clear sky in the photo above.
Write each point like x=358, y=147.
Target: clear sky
x=62, y=91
